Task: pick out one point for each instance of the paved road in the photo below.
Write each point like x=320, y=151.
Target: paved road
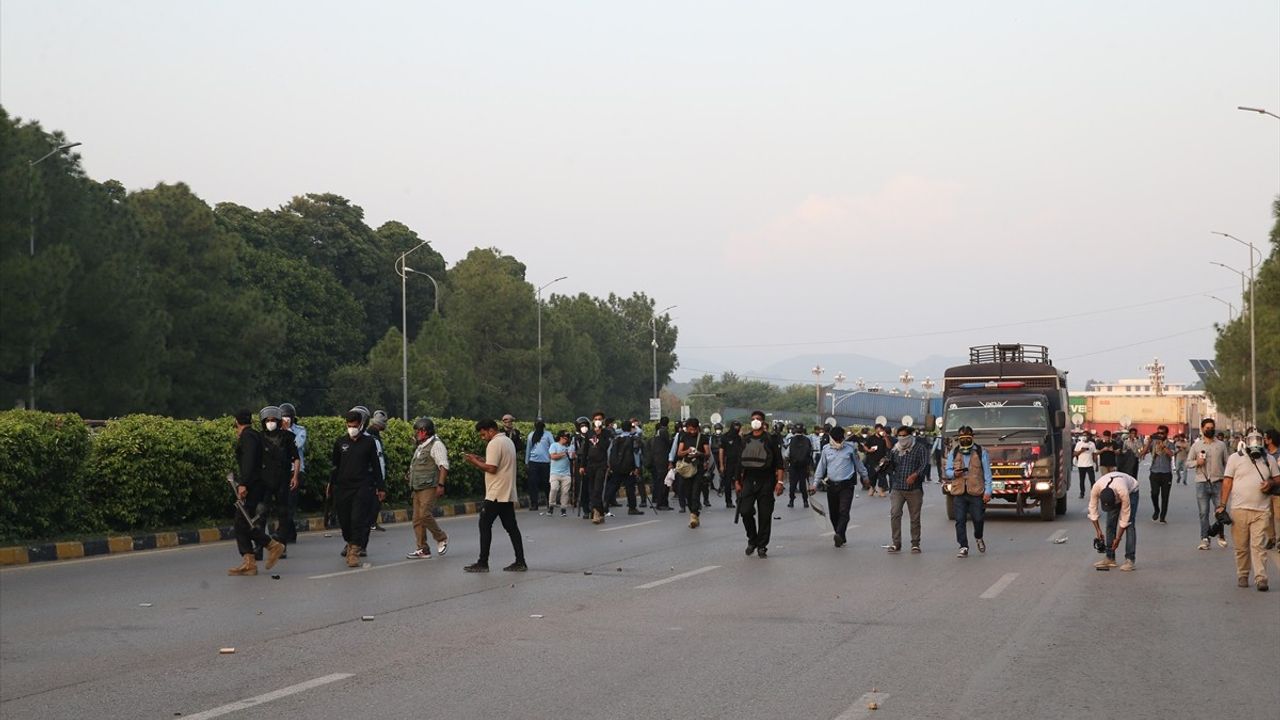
x=670, y=622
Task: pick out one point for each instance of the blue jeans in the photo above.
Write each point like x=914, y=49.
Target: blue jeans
x=968, y=506
x=1207, y=494
x=1130, y=533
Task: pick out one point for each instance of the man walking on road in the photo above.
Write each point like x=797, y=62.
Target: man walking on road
x=659, y=448
x=839, y=470
x=279, y=473
x=1209, y=457
x=249, y=491
x=1117, y=493
x=907, y=462
x=593, y=466
x=758, y=483
x=1161, y=473
x=968, y=471
x=1248, y=479
x=561, y=455
x=876, y=447
x=799, y=454
x=730, y=458
x=357, y=481
x=1084, y=453
x=427, y=472
x=499, y=468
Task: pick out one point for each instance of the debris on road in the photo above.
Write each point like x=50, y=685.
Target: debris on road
x=328, y=534
x=366, y=618
x=144, y=604
x=275, y=577
x=873, y=705
x=536, y=616
x=586, y=572
x=226, y=651
x=1059, y=541
x=619, y=569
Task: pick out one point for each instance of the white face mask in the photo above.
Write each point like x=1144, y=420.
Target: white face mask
x=598, y=423
x=756, y=424
x=354, y=432
x=583, y=429
x=272, y=425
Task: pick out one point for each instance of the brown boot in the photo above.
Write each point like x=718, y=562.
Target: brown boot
x=693, y=520
x=274, y=550
x=248, y=567
x=353, y=556
x=596, y=517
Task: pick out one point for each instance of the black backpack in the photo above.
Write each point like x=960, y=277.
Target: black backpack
x=622, y=454
x=799, y=451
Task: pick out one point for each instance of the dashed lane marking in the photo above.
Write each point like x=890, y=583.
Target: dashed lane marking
x=354, y=571
x=631, y=525
x=999, y=586
x=268, y=697
x=674, y=578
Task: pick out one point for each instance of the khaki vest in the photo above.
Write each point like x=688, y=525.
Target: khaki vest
x=423, y=470
x=974, y=480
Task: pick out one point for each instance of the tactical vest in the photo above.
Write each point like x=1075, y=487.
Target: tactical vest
x=423, y=470
x=974, y=480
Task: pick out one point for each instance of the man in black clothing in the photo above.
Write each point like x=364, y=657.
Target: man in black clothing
x=730, y=458
x=799, y=455
x=759, y=481
x=279, y=471
x=249, y=490
x=659, y=450
x=582, y=493
x=377, y=423
x=623, y=468
x=357, y=479
x=594, y=463
x=876, y=446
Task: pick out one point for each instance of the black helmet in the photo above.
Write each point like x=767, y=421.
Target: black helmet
x=582, y=420
x=425, y=423
x=287, y=410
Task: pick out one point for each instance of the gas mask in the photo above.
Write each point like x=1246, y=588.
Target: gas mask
x=1253, y=446
x=966, y=445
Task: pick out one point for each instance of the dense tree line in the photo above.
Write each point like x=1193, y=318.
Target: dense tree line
x=1231, y=389
x=154, y=301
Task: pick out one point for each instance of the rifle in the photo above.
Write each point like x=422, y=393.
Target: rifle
x=235, y=492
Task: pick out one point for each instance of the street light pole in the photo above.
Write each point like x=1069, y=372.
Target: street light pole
x=1231, y=309
x=1253, y=347
x=403, y=272
x=544, y=287
x=31, y=216
x=653, y=323
x=435, y=298
x=817, y=375
x=1260, y=111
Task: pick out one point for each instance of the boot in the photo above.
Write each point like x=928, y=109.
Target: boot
x=248, y=567
x=596, y=517
x=353, y=556
x=693, y=520
x=274, y=551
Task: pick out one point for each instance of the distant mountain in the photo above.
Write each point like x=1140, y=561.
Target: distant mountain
x=798, y=369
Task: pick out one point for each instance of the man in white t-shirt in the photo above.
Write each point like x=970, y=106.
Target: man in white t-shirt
x=1117, y=494
x=1085, y=452
x=1245, y=484
x=499, y=467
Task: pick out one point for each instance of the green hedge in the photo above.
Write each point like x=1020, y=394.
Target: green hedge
x=143, y=472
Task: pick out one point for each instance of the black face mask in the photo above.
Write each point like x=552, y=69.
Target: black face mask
x=1209, y=433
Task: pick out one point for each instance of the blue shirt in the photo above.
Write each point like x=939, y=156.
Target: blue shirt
x=300, y=439
x=840, y=464
x=949, y=471
x=541, y=450
x=561, y=466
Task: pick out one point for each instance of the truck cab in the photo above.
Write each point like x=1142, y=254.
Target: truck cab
x=1016, y=402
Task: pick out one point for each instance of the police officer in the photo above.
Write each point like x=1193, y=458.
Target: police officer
x=249, y=491
x=357, y=480
x=730, y=457
x=759, y=481
x=280, y=466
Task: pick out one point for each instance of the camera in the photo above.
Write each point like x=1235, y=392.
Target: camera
x=1099, y=544
x=1221, y=520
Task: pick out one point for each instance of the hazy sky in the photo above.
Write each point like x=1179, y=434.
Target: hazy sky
x=768, y=167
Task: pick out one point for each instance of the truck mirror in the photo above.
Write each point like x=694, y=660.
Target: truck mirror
x=1059, y=419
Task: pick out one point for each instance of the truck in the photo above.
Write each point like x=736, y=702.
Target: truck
x=1016, y=402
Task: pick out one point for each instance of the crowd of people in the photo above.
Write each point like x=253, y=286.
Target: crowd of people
x=748, y=468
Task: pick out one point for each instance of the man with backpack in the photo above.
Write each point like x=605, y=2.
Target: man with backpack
x=623, y=468
x=799, y=455
x=968, y=475
x=759, y=481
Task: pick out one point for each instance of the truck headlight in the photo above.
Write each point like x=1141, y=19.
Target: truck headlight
x=1043, y=486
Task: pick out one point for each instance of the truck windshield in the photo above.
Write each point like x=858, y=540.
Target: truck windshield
x=1001, y=418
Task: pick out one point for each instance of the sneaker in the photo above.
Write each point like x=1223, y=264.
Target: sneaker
x=633, y=511
x=1155, y=516
x=791, y=504
x=915, y=549
x=564, y=512
x=963, y=552
x=442, y=548
x=609, y=514
x=1163, y=521
x=1222, y=542
x=762, y=552
x=982, y=545
x=476, y=568
x=419, y=554
x=750, y=549
x=682, y=511
x=377, y=527
x=1242, y=581
x=1105, y=564
x=1262, y=585
x=838, y=541
x=730, y=506
x=1204, y=544
x=1127, y=566
x=893, y=549
x=517, y=566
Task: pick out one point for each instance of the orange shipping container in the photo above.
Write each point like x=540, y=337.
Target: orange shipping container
x=1167, y=409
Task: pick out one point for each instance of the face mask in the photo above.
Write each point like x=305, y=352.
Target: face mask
x=583, y=429
x=598, y=423
x=905, y=442
x=756, y=424
x=1209, y=433
x=272, y=425
x=966, y=444
x=353, y=432
x=718, y=432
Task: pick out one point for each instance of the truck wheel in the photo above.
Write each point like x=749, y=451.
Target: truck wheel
x=951, y=508
x=1048, y=508
x=1061, y=509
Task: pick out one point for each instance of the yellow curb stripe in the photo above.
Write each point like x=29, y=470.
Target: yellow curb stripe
x=166, y=539
x=68, y=550
x=209, y=535
x=13, y=556
x=120, y=544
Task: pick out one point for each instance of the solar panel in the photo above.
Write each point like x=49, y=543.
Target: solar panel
x=1205, y=369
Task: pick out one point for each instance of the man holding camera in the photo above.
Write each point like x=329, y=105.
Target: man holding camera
x=1161, y=474
x=1209, y=456
x=968, y=478
x=1117, y=493
x=1245, y=484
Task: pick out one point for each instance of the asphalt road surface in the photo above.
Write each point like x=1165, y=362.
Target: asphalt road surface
x=644, y=618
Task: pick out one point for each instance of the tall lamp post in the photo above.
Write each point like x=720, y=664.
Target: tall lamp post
x=403, y=272
x=906, y=380
x=435, y=298
x=928, y=385
x=653, y=324
x=31, y=179
x=1231, y=309
x=1260, y=111
x=1253, y=357
x=817, y=381
x=544, y=287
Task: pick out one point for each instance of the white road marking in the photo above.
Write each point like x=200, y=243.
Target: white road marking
x=674, y=578
x=353, y=571
x=1058, y=535
x=859, y=707
x=631, y=525
x=1005, y=581
x=268, y=697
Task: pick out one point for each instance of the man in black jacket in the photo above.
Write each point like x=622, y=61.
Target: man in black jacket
x=730, y=458
x=249, y=491
x=594, y=463
x=357, y=479
x=279, y=471
x=759, y=481
x=659, y=449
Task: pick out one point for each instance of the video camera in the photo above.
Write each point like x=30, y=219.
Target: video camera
x=1099, y=544
x=1221, y=520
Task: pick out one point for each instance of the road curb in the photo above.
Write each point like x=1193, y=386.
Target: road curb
x=119, y=544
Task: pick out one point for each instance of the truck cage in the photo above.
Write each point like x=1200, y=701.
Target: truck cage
x=1009, y=352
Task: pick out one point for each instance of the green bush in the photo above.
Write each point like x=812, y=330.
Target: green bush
x=41, y=456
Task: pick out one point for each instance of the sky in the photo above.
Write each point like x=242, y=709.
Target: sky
x=893, y=180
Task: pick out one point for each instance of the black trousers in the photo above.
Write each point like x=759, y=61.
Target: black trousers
x=505, y=511
x=731, y=472
x=537, y=476
x=839, y=505
x=353, y=505
x=1161, y=484
x=1086, y=472
x=693, y=491
x=799, y=475
x=248, y=535
x=757, y=496
x=289, y=533
x=661, y=493
x=628, y=481
x=275, y=502
x=596, y=476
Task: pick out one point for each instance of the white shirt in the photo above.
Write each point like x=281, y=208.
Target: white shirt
x=1123, y=485
x=1246, y=476
x=1085, y=459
